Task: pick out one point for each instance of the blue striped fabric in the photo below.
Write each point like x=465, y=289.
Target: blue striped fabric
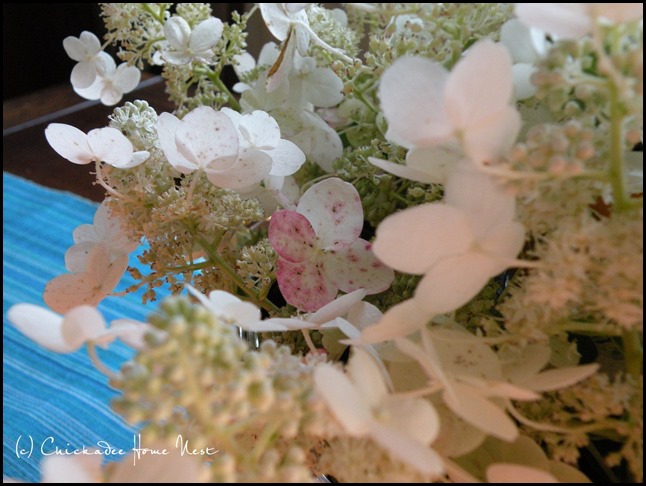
x=47, y=394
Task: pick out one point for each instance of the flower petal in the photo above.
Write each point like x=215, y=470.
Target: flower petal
x=344, y=400
x=367, y=377
x=83, y=75
x=251, y=167
x=292, y=236
x=490, y=138
x=74, y=469
x=76, y=256
x=304, y=285
x=320, y=142
x=454, y=281
x=414, y=239
x=337, y=308
x=516, y=473
x=82, y=324
x=560, y=377
x=177, y=33
x=206, y=34
x=479, y=412
x=479, y=85
x=126, y=78
x=504, y=241
x=364, y=314
x=404, y=171
x=333, y=207
x=74, y=48
x=69, y=142
x=40, y=325
x=398, y=321
x=131, y=332
x=415, y=417
x=286, y=158
x=260, y=130
x=323, y=88
x=407, y=449
x=208, y=139
x=357, y=267
x=167, y=126
x=411, y=92
x=483, y=201
x=110, y=146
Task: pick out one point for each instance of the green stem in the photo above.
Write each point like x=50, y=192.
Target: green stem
x=616, y=169
x=229, y=270
x=359, y=95
x=633, y=353
x=158, y=16
x=215, y=78
x=585, y=328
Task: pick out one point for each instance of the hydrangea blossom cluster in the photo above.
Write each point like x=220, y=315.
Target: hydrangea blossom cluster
x=430, y=229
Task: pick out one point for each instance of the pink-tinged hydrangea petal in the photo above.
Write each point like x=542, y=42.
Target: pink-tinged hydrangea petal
x=77, y=255
x=411, y=93
x=110, y=146
x=404, y=171
x=357, y=267
x=292, y=236
x=415, y=239
x=304, y=285
x=69, y=142
x=333, y=207
x=504, y=241
x=454, y=281
x=208, y=139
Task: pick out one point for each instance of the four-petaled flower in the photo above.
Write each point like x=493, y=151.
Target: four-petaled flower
x=107, y=145
x=86, y=50
x=185, y=46
x=320, y=250
x=433, y=112
x=457, y=245
x=111, y=82
x=360, y=401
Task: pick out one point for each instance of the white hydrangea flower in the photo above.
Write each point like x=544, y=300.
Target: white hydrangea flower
x=207, y=140
x=458, y=245
x=107, y=145
x=87, y=51
x=442, y=117
x=107, y=230
x=185, y=45
x=98, y=274
x=80, y=325
x=360, y=401
x=111, y=82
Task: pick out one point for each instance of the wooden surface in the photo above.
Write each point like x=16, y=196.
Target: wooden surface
x=26, y=153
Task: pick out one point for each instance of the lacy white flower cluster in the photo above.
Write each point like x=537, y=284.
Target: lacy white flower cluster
x=425, y=237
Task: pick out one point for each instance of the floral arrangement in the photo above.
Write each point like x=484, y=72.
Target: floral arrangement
x=390, y=258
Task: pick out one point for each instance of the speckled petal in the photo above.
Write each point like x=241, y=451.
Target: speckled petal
x=304, y=285
x=333, y=207
x=357, y=267
x=292, y=236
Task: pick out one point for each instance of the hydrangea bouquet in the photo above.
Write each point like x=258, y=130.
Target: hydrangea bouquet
x=389, y=257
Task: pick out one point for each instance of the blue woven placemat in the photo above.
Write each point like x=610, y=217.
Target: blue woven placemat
x=47, y=395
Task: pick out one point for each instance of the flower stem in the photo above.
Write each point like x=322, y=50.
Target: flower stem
x=215, y=78
x=616, y=169
x=229, y=270
x=96, y=361
x=633, y=353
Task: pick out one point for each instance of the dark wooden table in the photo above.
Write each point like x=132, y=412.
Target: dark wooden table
x=25, y=151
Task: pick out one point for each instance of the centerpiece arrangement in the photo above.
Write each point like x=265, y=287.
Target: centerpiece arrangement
x=386, y=260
